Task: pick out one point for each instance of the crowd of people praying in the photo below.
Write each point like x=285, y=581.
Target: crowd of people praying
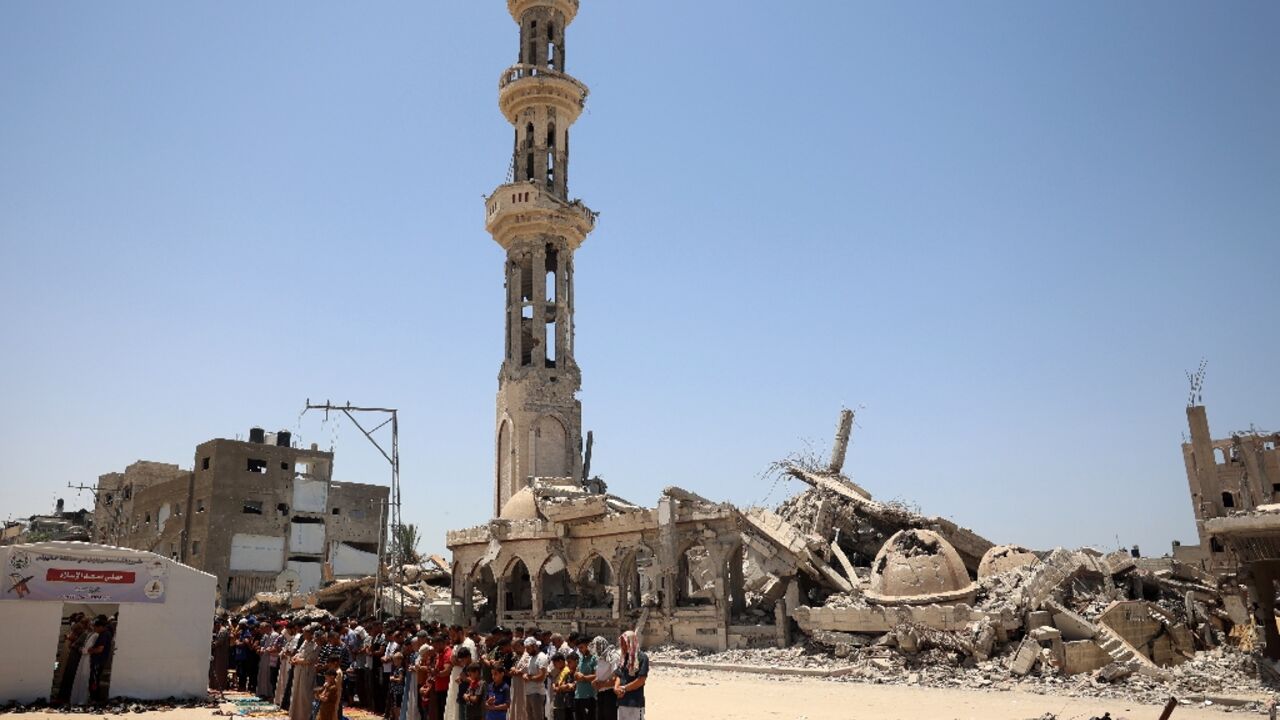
x=404, y=670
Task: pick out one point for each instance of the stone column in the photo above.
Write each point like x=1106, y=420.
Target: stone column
x=737, y=597
x=502, y=600
x=667, y=557
x=568, y=303
x=468, y=606
x=540, y=307
x=514, y=350
x=562, y=309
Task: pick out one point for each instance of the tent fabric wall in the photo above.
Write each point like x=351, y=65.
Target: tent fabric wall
x=162, y=649
x=28, y=649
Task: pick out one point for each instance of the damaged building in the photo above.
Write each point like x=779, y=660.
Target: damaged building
x=260, y=514
x=1235, y=495
x=560, y=551
x=1225, y=476
x=832, y=567
x=61, y=525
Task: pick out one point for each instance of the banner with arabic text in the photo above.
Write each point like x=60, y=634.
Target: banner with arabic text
x=31, y=574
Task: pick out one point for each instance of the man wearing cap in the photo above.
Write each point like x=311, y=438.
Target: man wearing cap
x=303, y=662
x=535, y=679
x=241, y=642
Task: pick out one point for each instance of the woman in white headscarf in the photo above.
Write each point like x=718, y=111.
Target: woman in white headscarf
x=607, y=661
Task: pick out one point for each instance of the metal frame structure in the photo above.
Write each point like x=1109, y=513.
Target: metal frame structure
x=392, y=506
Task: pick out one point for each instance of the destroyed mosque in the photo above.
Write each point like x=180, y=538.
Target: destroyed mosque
x=831, y=566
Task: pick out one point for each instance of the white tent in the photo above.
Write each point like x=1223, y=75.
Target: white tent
x=165, y=618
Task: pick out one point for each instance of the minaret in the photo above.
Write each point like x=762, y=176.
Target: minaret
x=539, y=424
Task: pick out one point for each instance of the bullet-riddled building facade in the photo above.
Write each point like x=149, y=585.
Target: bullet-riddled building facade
x=259, y=514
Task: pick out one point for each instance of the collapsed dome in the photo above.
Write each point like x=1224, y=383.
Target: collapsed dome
x=918, y=567
x=521, y=506
x=1003, y=558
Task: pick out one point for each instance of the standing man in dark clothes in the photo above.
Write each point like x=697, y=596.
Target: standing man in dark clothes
x=632, y=673
x=241, y=647
x=99, y=657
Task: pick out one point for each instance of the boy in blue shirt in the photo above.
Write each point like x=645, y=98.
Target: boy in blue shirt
x=498, y=698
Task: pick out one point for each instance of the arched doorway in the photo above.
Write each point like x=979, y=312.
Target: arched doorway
x=639, y=587
x=505, y=462
x=695, y=578
x=595, y=584
x=519, y=587
x=557, y=594
x=480, y=590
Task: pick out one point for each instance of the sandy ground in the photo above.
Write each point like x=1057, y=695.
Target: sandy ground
x=701, y=695
x=720, y=696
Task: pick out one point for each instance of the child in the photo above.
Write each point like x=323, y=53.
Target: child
x=584, y=695
x=396, y=683
x=498, y=698
x=562, y=684
x=472, y=694
x=328, y=696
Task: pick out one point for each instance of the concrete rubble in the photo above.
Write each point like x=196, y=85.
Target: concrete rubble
x=834, y=582
x=415, y=591
x=921, y=600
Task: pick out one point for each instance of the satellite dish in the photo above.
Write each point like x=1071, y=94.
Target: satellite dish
x=288, y=581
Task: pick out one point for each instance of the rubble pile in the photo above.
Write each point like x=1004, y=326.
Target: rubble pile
x=920, y=600
x=410, y=590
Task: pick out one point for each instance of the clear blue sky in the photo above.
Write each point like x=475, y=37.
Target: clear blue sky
x=1006, y=229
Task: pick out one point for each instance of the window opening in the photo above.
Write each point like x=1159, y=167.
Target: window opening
x=204, y=464
x=1228, y=500
x=551, y=45
x=255, y=465
x=252, y=507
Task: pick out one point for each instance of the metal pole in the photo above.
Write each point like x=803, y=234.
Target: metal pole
x=393, y=500
x=395, y=488
x=377, y=578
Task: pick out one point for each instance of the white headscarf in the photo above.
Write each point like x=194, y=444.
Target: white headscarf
x=629, y=645
x=602, y=650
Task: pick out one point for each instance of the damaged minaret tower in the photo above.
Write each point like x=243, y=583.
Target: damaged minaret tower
x=539, y=423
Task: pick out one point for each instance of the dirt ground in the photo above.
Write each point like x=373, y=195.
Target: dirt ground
x=719, y=696
x=701, y=695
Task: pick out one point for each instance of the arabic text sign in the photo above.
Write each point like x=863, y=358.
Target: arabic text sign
x=34, y=575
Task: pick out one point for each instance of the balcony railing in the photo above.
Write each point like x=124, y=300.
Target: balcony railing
x=522, y=71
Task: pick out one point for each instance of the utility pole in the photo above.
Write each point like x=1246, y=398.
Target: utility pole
x=98, y=533
x=393, y=457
